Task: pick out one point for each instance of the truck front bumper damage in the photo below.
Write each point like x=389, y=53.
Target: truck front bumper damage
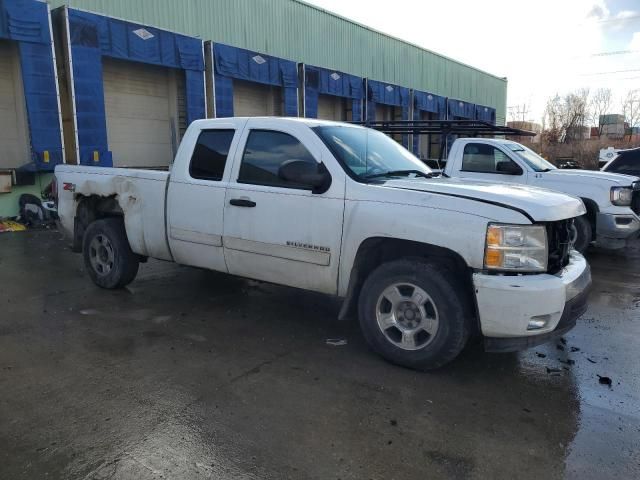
x=518, y=312
x=615, y=231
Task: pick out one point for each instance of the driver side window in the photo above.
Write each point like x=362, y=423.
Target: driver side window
x=483, y=158
x=265, y=152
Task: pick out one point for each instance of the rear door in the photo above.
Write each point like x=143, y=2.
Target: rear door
x=195, y=199
x=276, y=231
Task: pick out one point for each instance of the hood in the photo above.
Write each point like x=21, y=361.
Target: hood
x=614, y=178
x=540, y=204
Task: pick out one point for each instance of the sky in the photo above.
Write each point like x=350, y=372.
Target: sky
x=543, y=47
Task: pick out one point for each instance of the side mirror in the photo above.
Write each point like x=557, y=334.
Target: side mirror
x=508, y=168
x=306, y=174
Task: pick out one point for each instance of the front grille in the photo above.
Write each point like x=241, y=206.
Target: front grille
x=559, y=235
x=635, y=199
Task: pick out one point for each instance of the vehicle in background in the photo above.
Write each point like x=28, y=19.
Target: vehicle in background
x=626, y=162
x=568, y=164
x=606, y=155
x=612, y=200
x=344, y=210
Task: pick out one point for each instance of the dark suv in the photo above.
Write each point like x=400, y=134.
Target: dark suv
x=627, y=162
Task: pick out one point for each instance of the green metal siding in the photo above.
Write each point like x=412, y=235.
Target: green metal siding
x=297, y=31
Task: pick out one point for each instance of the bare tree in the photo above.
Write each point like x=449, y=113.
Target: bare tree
x=631, y=108
x=565, y=116
x=600, y=104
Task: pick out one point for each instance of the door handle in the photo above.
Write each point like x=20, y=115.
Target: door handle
x=242, y=202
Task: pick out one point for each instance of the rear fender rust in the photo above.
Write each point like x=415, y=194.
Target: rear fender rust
x=125, y=192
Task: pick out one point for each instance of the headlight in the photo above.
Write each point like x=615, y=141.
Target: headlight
x=516, y=248
x=621, y=196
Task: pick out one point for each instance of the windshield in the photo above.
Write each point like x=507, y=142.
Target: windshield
x=370, y=154
x=531, y=158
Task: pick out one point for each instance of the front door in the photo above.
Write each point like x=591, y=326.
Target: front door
x=277, y=231
x=487, y=163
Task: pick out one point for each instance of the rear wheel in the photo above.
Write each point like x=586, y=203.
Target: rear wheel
x=583, y=233
x=413, y=314
x=107, y=254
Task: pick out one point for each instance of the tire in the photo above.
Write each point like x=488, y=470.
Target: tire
x=107, y=255
x=428, y=301
x=584, y=233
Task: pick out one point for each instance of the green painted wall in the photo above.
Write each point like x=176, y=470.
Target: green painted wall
x=297, y=31
x=9, y=201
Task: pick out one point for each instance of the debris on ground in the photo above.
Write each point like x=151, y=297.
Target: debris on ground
x=567, y=362
x=541, y=355
x=336, y=342
x=575, y=349
x=553, y=371
x=591, y=360
x=604, y=380
x=11, y=226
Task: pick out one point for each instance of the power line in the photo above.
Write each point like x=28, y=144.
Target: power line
x=610, y=73
x=615, y=52
x=619, y=19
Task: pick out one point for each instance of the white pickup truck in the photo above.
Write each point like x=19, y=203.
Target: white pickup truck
x=612, y=200
x=344, y=210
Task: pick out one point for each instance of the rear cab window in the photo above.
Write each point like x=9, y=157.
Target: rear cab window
x=210, y=154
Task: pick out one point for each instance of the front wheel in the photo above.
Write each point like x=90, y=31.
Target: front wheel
x=414, y=314
x=583, y=233
x=107, y=255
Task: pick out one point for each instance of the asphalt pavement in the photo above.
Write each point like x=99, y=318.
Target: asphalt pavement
x=193, y=374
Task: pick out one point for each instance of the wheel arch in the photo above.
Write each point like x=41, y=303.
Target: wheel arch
x=592, y=213
x=375, y=251
x=90, y=208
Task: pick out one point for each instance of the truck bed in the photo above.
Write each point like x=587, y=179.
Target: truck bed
x=140, y=193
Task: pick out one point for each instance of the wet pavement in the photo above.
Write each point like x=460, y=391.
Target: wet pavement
x=193, y=374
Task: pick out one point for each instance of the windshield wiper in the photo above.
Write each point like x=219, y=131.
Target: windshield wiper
x=392, y=173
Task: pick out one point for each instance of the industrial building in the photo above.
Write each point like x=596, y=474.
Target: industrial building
x=130, y=76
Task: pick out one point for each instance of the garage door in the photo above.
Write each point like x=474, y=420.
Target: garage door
x=256, y=100
x=331, y=107
x=386, y=113
x=14, y=137
x=429, y=144
x=141, y=103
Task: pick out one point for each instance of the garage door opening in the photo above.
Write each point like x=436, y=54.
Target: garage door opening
x=331, y=107
x=252, y=99
x=387, y=113
x=14, y=132
x=145, y=110
x=429, y=146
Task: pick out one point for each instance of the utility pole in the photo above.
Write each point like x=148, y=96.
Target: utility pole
x=519, y=112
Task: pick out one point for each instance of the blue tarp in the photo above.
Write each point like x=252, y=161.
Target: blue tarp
x=232, y=62
x=427, y=102
x=93, y=36
x=486, y=114
x=460, y=110
x=322, y=81
x=27, y=22
x=387, y=94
